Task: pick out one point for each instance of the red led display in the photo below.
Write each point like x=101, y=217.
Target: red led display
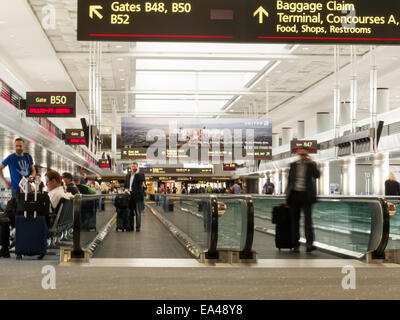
x=51, y=104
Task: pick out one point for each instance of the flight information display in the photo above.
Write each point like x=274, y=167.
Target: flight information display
x=241, y=21
x=104, y=163
x=51, y=104
x=75, y=136
x=310, y=145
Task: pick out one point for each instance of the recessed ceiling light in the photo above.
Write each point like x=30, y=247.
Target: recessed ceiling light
x=121, y=70
x=120, y=59
x=122, y=79
x=306, y=48
x=118, y=47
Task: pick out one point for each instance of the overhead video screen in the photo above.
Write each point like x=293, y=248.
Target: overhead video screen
x=188, y=139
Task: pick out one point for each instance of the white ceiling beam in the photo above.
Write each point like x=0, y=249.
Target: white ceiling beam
x=200, y=93
x=199, y=56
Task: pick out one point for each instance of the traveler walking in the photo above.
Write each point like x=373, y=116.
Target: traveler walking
x=301, y=193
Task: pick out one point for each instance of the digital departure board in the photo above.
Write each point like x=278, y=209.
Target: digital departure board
x=104, y=163
x=229, y=166
x=75, y=136
x=241, y=21
x=310, y=145
x=51, y=104
x=172, y=170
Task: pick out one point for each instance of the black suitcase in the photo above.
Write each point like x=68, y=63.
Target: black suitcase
x=122, y=219
x=281, y=216
x=31, y=231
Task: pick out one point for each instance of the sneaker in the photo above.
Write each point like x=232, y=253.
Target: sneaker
x=296, y=249
x=311, y=248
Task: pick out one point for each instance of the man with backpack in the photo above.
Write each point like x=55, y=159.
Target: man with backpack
x=20, y=165
x=269, y=187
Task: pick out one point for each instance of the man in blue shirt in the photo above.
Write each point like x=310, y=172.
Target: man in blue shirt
x=19, y=165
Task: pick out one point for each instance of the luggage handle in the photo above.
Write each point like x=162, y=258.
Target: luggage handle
x=26, y=198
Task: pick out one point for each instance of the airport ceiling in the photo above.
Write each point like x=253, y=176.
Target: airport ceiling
x=292, y=82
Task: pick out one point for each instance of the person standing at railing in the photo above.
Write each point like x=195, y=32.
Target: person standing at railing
x=269, y=187
x=235, y=189
x=301, y=194
x=392, y=187
x=134, y=184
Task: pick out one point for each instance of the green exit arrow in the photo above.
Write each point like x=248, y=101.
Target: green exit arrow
x=93, y=9
x=260, y=12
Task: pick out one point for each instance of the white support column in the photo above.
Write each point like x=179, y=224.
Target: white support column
x=276, y=181
x=300, y=130
x=287, y=135
x=323, y=181
x=349, y=176
x=275, y=140
x=345, y=113
x=380, y=165
x=382, y=100
x=323, y=121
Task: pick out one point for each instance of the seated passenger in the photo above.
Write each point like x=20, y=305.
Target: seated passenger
x=55, y=189
x=67, y=178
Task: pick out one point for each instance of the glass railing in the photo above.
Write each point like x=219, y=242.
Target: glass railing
x=394, y=234
x=210, y=223
x=93, y=217
x=347, y=225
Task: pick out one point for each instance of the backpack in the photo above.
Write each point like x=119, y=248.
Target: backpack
x=269, y=189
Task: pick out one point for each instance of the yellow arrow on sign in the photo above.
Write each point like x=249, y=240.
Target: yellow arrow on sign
x=260, y=12
x=93, y=9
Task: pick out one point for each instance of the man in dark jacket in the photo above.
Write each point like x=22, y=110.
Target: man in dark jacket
x=134, y=184
x=301, y=193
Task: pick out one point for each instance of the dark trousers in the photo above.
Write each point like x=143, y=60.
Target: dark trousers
x=299, y=201
x=5, y=232
x=136, y=211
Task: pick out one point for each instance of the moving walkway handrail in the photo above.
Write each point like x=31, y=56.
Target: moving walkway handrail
x=380, y=225
x=212, y=252
x=77, y=251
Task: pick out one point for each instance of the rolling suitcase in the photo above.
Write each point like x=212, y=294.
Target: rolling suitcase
x=31, y=231
x=283, y=230
x=122, y=219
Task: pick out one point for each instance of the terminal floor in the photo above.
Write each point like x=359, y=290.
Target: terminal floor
x=155, y=241
x=294, y=279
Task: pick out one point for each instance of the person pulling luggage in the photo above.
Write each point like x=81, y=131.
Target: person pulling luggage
x=301, y=194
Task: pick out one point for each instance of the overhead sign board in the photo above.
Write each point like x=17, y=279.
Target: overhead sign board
x=172, y=170
x=104, y=163
x=51, y=104
x=310, y=145
x=133, y=153
x=241, y=21
x=229, y=166
x=75, y=136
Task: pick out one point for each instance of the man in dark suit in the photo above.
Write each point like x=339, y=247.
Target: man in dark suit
x=301, y=193
x=134, y=184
